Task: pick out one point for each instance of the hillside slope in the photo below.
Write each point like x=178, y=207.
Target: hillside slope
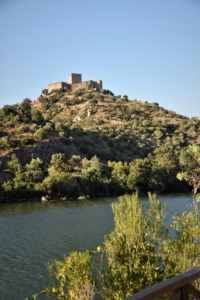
x=83, y=124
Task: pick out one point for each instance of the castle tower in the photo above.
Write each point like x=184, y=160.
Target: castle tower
x=99, y=84
x=75, y=78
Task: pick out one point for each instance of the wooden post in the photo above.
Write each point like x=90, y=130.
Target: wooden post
x=185, y=292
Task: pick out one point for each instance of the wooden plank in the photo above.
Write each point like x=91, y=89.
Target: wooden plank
x=167, y=286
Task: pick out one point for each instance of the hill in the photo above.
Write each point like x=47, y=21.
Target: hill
x=99, y=141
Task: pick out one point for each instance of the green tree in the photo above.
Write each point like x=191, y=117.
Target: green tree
x=190, y=161
x=39, y=133
x=133, y=257
x=56, y=183
x=92, y=170
x=73, y=276
x=8, y=186
x=8, y=113
x=95, y=163
x=44, y=91
x=36, y=116
x=119, y=175
x=140, y=174
x=59, y=163
x=25, y=108
x=58, y=180
x=32, y=174
x=14, y=164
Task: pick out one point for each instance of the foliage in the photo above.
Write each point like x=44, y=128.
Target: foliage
x=75, y=158
x=36, y=116
x=190, y=161
x=93, y=102
x=44, y=91
x=143, y=139
x=74, y=275
x=25, y=108
x=88, y=96
x=5, y=142
x=27, y=141
x=134, y=248
x=9, y=113
x=107, y=92
x=32, y=174
x=78, y=92
x=14, y=164
x=39, y=134
x=137, y=254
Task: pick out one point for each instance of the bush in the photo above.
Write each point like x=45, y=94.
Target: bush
x=88, y=96
x=45, y=92
x=113, y=98
x=75, y=158
x=39, y=134
x=5, y=143
x=27, y=141
x=78, y=92
x=93, y=101
x=36, y=116
x=107, y=92
x=139, y=252
x=33, y=127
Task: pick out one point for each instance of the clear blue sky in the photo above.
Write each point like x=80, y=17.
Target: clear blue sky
x=147, y=49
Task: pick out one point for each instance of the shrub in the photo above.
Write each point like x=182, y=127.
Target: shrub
x=93, y=101
x=39, y=134
x=45, y=92
x=27, y=141
x=107, y=92
x=5, y=143
x=113, y=98
x=33, y=127
x=78, y=92
x=88, y=95
x=139, y=252
x=45, y=107
x=36, y=116
x=48, y=127
x=75, y=158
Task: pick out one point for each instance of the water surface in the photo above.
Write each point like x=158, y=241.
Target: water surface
x=32, y=234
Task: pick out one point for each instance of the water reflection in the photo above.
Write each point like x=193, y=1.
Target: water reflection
x=31, y=207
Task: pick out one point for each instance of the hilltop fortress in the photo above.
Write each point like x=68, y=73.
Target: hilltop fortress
x=75, y=82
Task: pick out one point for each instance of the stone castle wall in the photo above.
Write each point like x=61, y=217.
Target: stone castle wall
x=87, y=85
x=58, y=85
x=80, y=85
x=75, y=82
x=95, y=84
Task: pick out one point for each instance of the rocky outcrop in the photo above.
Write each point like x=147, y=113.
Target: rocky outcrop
x=45, y=198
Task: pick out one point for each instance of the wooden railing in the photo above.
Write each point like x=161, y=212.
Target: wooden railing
x=180, y=287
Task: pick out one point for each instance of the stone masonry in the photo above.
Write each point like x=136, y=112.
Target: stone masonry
x=75, y=82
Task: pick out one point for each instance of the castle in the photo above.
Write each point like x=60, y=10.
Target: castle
x=75, y=82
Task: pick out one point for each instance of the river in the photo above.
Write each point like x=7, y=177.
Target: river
x=33, y=234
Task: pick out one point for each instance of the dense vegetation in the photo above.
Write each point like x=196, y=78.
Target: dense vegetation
x=139, y=252
x=70, y=144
